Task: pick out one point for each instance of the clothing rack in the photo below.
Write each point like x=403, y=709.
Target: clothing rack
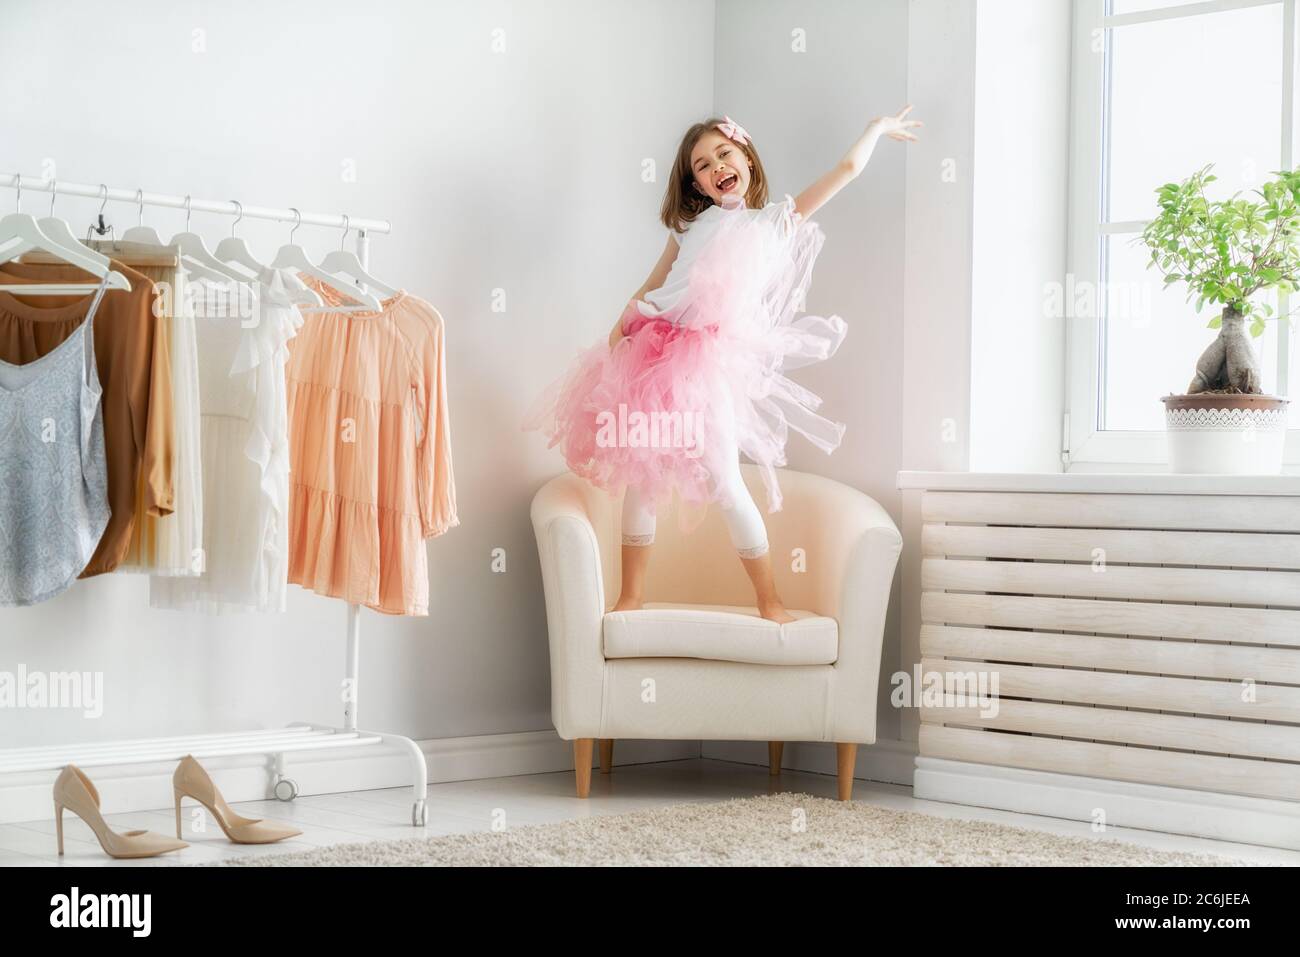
x=138, y=197
x=298, y=736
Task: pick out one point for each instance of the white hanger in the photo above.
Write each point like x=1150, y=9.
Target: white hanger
x=59, y=230
x=148, y=236
x=294, y=257
x=234, y=249
x=140, y=233
x=301, y=294
x=345, y=261
x=196, y=251
x=20, y=233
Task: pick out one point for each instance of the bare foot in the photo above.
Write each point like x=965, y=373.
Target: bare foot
x=628, y=604
x=775, y=611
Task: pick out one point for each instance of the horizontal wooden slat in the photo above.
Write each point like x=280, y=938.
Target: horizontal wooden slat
x=1230, y=513
x=1155, y=693
x=1147, y=655
x=1137, y=546
x=1256, y=626
x=1219, y=736
x=1222, y=585
x=1271, y=779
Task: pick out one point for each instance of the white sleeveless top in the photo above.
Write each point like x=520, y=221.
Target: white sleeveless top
x=691, y=242
x=696, y=237
x=53, y=469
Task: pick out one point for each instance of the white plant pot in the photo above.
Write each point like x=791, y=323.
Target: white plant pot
x=1226, y=434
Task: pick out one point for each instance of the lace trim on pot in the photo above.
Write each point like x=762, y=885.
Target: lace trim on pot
x=1225, y=420
x=639, y=539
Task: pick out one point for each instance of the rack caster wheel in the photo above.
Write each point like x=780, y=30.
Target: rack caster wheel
x=419, y=814
x=286, y=789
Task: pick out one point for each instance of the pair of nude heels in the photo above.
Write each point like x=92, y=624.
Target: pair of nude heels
x=75, y=792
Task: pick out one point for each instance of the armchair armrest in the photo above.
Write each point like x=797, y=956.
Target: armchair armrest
x=863, y=551
x=575, y=604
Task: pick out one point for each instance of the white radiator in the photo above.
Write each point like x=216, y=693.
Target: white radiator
x=1146, y=638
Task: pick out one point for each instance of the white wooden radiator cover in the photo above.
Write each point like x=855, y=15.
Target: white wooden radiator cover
x=1150, y=638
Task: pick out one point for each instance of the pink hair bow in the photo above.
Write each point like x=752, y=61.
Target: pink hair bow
x=733, y=131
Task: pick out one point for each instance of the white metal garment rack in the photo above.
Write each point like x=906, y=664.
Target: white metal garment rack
x=274, y=743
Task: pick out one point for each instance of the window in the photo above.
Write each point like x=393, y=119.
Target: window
x=1161, y=88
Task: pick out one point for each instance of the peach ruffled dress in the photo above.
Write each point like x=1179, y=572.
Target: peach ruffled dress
x=370, y=452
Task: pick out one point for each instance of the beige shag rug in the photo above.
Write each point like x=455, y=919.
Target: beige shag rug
x=772, y=830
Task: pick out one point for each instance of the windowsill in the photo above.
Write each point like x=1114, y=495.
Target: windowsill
x=1118, y=482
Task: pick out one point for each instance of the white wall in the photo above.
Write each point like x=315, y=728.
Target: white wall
x=518, y=170
x=940, y=185
x=1022, y=93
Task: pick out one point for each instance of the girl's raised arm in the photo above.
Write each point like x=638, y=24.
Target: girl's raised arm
x=656, y=279
x=896, y=127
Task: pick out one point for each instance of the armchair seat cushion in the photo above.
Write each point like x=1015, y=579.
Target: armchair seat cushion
x=720, y=633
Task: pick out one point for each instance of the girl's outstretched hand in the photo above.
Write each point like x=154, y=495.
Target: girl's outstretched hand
x=896, y=127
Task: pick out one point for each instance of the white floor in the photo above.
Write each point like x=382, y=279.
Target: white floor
x=464, y=806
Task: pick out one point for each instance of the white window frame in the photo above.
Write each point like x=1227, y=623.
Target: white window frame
x=1083, y=443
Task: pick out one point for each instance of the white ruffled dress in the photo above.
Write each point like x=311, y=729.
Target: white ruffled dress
x=245, y=443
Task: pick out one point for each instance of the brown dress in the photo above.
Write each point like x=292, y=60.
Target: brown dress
x=135, y=371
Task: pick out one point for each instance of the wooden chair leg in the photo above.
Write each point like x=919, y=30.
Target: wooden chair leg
x=582, y=764
x=845, y=757
x=774, y=749
x=606, y=755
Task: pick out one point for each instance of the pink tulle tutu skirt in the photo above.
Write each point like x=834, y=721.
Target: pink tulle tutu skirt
x=670, y=406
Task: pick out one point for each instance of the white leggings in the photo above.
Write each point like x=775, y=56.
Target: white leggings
x=743, y=519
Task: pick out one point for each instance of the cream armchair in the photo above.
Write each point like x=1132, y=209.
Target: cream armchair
x=697, y=661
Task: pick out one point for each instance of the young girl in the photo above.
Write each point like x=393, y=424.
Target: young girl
x=692, y=375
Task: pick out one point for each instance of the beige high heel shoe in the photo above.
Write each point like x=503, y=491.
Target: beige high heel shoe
x=74, y=791
x=190, y=780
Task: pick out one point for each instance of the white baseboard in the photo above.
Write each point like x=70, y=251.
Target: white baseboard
x=147, y=787
x=888, y=760
x=1223, y=817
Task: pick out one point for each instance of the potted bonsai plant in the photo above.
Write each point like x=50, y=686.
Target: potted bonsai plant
x=1228, y=253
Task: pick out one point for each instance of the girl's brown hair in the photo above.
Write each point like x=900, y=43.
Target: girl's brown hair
x=682, y=202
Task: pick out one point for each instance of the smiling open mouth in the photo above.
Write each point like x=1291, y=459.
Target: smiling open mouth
x=727, y=182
